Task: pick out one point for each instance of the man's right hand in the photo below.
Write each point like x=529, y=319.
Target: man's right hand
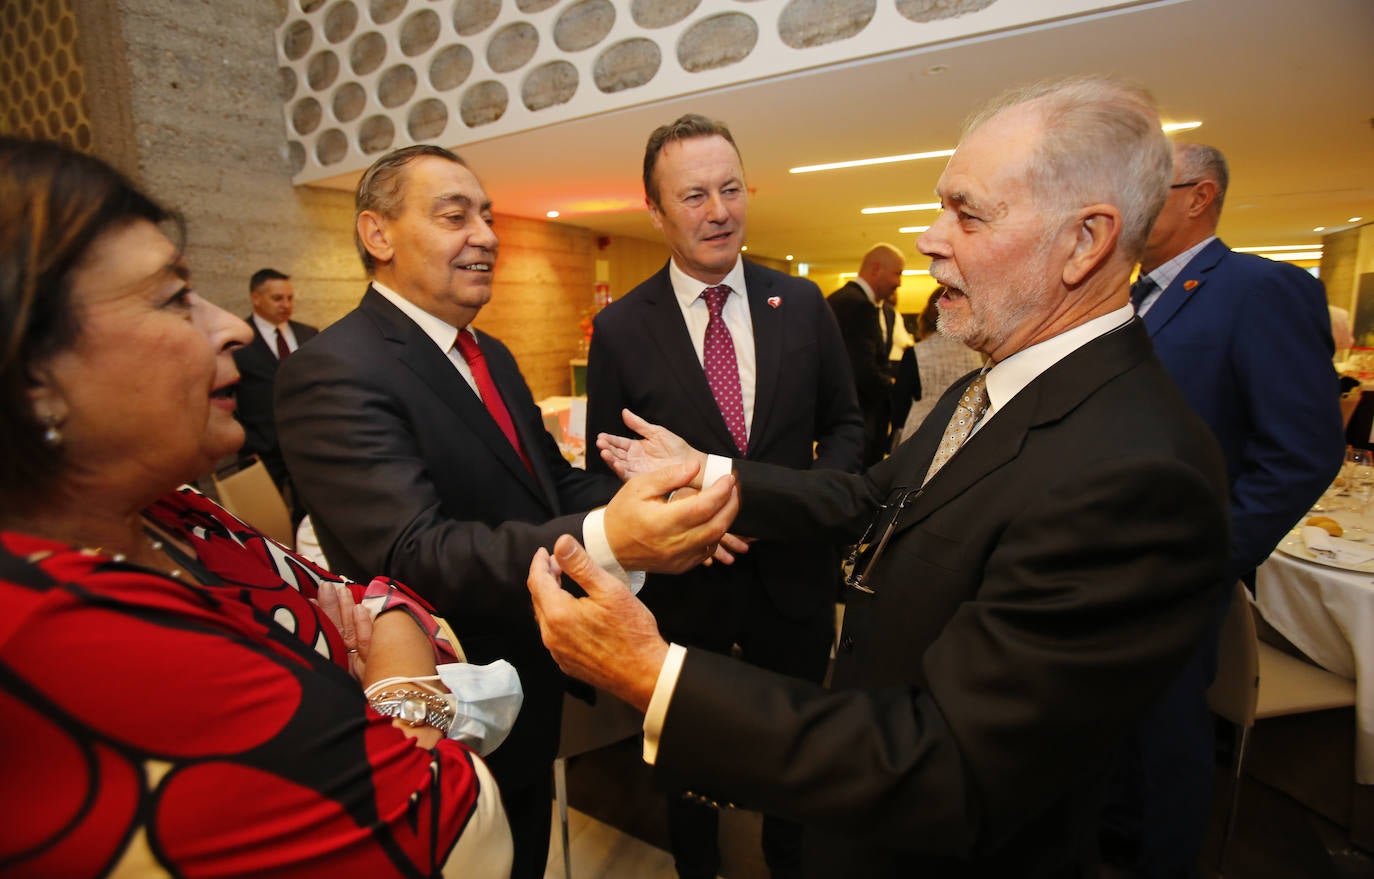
x=659, y=448
x=647, y=531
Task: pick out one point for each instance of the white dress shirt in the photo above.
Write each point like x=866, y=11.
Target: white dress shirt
x=269, y=332
x=688, y=291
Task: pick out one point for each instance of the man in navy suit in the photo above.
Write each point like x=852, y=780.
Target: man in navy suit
x=868, y=339
x=1248, y=341
x=275, y=336
x=787, y=390
x=421, y=454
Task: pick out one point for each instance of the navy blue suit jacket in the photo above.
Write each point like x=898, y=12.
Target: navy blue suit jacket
x=1248, y=341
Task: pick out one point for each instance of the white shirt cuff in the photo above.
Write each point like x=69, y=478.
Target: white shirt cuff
x=716, y=467
x=658, y=704
x=599, y=548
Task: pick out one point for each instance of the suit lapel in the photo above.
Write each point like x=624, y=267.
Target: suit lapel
x=768, y=321
x=510, y=385
x=422, y=357
x=1184, y=287
x=666, y=327
x=1048, y=398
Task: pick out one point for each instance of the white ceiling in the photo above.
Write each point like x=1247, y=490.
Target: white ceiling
x=1285, y=89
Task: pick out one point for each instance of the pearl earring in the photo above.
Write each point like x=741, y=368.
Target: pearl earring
x=52, y=436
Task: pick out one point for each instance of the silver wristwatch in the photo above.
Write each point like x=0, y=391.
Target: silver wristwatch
x=415, y=708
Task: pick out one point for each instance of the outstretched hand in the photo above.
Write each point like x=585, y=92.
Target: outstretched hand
x=659, y=448
x=608, y=639
x=648, y=531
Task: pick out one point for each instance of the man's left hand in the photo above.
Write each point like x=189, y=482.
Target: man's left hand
x=608, y=639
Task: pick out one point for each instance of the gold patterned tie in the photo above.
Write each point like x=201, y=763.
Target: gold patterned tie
x=971, y=407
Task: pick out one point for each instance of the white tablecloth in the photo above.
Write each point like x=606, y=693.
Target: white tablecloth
x=1328, y=614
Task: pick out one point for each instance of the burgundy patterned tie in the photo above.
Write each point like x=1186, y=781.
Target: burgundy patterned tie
x=722, y=370
x=283, y=349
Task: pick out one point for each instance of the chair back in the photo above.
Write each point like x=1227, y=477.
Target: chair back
x=249, y=493
x=1234, y=693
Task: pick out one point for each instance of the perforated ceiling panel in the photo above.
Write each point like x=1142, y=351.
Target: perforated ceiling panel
x=360, y=77
x=42, y=90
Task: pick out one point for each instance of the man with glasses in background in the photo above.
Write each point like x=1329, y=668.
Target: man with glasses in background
x=1047, y=551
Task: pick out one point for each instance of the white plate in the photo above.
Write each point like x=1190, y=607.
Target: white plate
x=1292, y=545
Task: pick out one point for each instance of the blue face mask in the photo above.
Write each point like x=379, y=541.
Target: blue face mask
x=486, y=700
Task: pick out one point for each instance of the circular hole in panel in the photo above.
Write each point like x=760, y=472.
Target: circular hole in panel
x=512, y=47
x=367, y=53
x=306, y=115
x=66, y=29
x=626, y=65
x=73, y=81
x=396, y=86
x=83, y=137
x=340, y=21
x=58, y=92
x=297, y=39
x=322, y=70
x=807, y=23
x=309, y=6
x=474, y=16
x=54, y=120
x=331, y=147
x=286, y=83
x=70, y=115
x=49, y=41
x=419, y=31
x=529, y=7
x=376, y=134
x=427, y=120
x=483, y=103
x=549, y=85
x=61, y=62
x=450, y=67
x=349, y=101
x=925, y=10
x=718, y=41
x=583, y=25
x=383, y=11
x=295, y=157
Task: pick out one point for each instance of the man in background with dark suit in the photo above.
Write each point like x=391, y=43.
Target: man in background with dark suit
x=275, y=336
x=1248, y=341
x=747, y=362
x=421, y=454
x=867, y=320
x=1040, y=558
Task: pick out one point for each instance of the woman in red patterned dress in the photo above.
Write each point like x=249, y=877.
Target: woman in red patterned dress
x=181, y=696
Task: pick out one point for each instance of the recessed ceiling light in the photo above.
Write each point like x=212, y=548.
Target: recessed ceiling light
x=1354, y=219
x=788, y=257
x=1274, y=248
x=911, y=230
x=915, y=271
x=1171, y=127
x=880, y=160
x=552, y=215
x=1318, y=228
x=744, y=249
x=1283, y=256
x=899, y=208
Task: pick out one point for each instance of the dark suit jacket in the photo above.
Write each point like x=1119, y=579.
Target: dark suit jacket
x=257, y=363
x=1248, y=340
x=405, y=473
x=642, y=358
x=868, y=360
x=1032, y=602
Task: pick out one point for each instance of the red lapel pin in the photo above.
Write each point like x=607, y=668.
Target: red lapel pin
x=1189, y=285
x=775, y=301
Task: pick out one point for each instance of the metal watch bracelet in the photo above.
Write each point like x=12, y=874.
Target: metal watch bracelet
x=415, y=708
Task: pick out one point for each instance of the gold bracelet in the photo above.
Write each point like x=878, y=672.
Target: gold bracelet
x=415, y=708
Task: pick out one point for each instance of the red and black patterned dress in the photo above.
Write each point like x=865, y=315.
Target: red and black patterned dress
x=151, y=727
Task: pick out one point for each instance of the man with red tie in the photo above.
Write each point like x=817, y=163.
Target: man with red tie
x=275, y=336
x=748, y=362
x=421, y=454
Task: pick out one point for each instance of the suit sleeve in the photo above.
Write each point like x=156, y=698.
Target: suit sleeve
x=859, y=331
x=1072, y=632
x=605, y=397
x=1292, y=441
x=362, y=472
x=839, y=428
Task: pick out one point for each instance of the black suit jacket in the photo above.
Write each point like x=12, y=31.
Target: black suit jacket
x=1034, y=599
x=642, y=358
x=868, y=348
x=405, y=473
x=257, y=363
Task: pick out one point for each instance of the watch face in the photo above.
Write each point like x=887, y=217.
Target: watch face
x=414, y=711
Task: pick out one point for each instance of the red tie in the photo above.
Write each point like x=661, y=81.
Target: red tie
x=486, y=389
x=722, y=370
x=282, y=348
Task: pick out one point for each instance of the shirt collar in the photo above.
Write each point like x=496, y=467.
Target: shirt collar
x=444, y=334
x=265, y=326
x=1006, y=379
x=868, y=291
x=1165, y=273
x=688, y=289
